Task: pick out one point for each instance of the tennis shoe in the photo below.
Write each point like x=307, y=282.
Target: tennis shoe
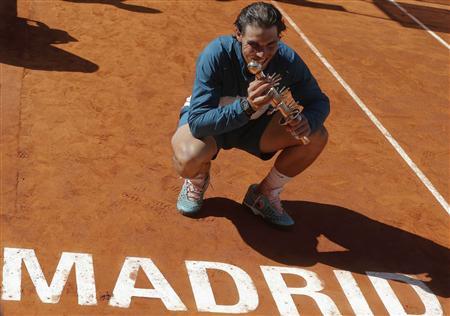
x=190, y=199
x=269, y=207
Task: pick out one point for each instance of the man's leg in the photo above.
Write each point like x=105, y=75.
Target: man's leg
x=192, y=155
x=192, y=160
x=295, y=157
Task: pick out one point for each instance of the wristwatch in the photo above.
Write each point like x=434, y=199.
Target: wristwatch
x=247, y=107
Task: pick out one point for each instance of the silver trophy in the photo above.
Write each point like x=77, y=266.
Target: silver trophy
x=281, y=100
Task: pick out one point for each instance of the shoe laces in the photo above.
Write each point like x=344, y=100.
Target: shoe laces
x=274, y=199
x=194, y=192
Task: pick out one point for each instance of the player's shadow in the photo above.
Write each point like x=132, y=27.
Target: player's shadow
x=120, y=4
x=29, y=44
x=364, y=244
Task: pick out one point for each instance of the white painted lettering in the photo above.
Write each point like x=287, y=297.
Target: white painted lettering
x=125, y=290
x=390, y=300
x=282, y=294
x=204, y=296
x=353, y=293
x=12, y=276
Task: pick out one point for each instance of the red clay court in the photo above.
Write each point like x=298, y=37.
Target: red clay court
x=90, y=96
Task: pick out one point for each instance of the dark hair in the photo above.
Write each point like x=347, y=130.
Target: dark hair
x=260, y=14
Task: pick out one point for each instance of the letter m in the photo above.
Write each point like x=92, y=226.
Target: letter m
x=12, y=276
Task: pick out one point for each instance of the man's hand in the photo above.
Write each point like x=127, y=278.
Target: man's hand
x=258, y=95
x=258, y=91
x=299, y=127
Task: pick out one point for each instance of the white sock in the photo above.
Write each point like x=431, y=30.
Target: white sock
x=274, y=180
x=199, y=179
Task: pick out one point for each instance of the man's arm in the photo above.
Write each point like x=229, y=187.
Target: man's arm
x=206, y=117
x=307, y=92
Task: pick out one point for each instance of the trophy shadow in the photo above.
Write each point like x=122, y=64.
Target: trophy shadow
x=368, y=245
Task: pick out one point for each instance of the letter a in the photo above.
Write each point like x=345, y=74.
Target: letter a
x=125, y=290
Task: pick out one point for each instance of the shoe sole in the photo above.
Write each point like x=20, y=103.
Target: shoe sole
x=188, y=214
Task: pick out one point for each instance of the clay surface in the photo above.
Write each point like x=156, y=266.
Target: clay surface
x=90, y=96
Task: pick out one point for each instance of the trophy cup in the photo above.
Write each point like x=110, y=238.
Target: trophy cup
x=281, y=100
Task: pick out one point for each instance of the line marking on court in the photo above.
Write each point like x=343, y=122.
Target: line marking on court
x=369, y=113
x=412, y=17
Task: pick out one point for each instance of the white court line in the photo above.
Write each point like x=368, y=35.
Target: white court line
x=437, y=37
x=369, y=113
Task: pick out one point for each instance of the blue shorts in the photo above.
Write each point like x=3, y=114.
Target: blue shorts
x=246, y=138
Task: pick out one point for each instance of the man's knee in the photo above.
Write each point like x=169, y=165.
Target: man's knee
x=187, y=154
x=191, y=153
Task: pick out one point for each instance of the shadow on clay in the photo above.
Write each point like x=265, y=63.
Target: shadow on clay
x=369, y=245
x=436, y=19
x=120, y=4
x=29, y=44
x=310, y=4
